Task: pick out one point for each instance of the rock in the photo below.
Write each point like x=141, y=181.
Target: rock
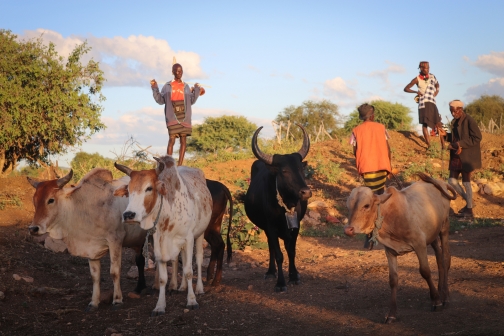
x=132, y=273
x=492, y=189
x=314, y=214
x=2, y=296
x=436, y=165
x=133, y=295
x=27, y=279
x=475, y=187
x=253, y=265
x=110, y=331
x=500, y=185
x=186, y=310
x=496, y=179
x=247, y=249
x=3, y=269
x=482, y=181
x=16, y=277
x=332, y=212
x=205, y=244
x=345, y=221
x=332, y=219
x=56, y=245
x=482, y=189
x=250, y=287
x=317, y=205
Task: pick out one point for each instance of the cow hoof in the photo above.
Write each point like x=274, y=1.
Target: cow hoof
x=270, y=276
x=446, y=304
x=280, y=289
x=193, y=307
x=157, y=313
x=294, y=282
x=437, y=308
x=116, y=306
x=90, y=308
x=390, y=319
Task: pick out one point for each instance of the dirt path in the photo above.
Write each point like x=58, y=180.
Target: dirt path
x=344, y=291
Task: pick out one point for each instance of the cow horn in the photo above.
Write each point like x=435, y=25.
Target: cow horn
x=160, y=166
x=266, y=158
x=33, y=182
x=64, y=180
x=124, y=169
x=306, y=143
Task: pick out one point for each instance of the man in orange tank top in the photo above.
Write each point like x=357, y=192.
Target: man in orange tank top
x=372, y=153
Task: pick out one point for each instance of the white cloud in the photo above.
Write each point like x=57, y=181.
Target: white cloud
x=130, y=61
x=384, y=74
x=338, y=88
x=492, y=63
x=495, y=86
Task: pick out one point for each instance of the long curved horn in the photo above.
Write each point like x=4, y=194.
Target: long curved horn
x=124, y=169
x=306, y=143
x=266, y=158
x=160, y=166
x=32, y=182
x=64, y=180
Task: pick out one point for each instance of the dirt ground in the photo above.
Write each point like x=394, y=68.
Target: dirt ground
x=344, y=288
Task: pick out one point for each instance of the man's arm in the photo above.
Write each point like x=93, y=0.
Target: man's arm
x=437, y=89
x=410, y=85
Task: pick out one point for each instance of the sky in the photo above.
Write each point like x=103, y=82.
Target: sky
x=258, y=57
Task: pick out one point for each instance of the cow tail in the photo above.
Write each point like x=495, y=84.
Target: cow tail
x=228, y=240
x=426, y=178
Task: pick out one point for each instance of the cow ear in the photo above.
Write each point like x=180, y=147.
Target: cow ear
x=304, y=163
x=380, y=199
x=161, y=187
x=122, y=191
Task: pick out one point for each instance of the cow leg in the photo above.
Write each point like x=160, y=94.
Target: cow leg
x=183, y=283
x=271, y=273
x=174, y=281
x=94, y=268
x=163, y=279
x=393, y=281
x=188, y=273
x=425, y=271
x=275, y=245
x=445, y=246
x=140, y=264
x=115, y=273
x=441, y=267
x=217, y=245
x=221, y=246
x=290, y=247
x=199, y=262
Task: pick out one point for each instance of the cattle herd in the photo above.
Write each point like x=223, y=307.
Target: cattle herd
x=179, y=208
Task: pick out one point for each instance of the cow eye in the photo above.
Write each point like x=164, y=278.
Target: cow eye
x=148, y=189
x=366, y=206
x=51, y=200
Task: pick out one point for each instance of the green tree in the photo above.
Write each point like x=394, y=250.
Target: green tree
x=47, y=103
x=221, y=133
x=485, y=108
x=394, y=116
x=310, y=114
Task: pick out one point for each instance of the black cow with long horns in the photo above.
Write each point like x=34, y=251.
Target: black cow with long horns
x=276, y=202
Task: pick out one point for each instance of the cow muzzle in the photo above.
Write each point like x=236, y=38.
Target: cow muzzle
x=34, y=230
x=129, y=216
x=305, y=193
x=349, y=231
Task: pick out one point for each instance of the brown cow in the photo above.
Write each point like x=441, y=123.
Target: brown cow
x=405, y=221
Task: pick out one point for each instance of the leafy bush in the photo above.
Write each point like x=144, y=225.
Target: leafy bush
x=243, y=231
x=393, y=116
x=329, y=172
x=415, y=167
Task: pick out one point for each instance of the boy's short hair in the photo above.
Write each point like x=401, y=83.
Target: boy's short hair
x=365, y=111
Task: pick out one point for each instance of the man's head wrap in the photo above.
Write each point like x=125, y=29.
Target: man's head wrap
x=422, y=63
x=456, y=103
x=365, y=111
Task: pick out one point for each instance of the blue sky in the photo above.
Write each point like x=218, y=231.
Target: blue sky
x=262, y=56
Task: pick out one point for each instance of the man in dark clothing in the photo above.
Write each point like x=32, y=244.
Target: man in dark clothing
x=465, y=154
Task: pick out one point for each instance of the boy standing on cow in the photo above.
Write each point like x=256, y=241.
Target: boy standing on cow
x=465, y=154
x=177, y=97
x=372, y=152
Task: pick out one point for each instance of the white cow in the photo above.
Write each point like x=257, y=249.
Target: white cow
x=177, y=203
x=88, y=218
